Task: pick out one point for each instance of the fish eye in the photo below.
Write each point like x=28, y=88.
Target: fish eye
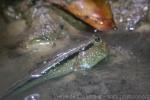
x=97, y=39
x=33, y=2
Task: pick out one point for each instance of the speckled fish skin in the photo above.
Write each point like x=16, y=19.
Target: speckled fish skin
x=83, y=60
x=92, y=56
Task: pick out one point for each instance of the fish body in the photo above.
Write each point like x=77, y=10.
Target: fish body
x=75, y=49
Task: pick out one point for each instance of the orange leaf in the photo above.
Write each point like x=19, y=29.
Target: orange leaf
x=96, y=13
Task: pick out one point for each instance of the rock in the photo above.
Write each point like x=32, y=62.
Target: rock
x=127, y=13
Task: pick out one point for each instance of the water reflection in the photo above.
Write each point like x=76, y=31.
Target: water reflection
x=34, y=96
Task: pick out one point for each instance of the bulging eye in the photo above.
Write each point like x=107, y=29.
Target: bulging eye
x=98, y=38
x=33, y=2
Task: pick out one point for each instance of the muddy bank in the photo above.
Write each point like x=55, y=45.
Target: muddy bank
x=124, y=74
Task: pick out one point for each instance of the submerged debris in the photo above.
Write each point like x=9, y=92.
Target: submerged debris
x=96, y=13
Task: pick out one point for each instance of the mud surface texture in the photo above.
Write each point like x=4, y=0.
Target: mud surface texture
x=124, y=75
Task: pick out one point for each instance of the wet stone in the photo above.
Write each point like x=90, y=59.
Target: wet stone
x=128, y=13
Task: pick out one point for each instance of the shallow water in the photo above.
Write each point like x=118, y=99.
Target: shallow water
x=124, y=72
